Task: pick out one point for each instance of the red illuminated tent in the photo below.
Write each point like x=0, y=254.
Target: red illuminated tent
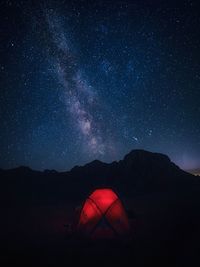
x=103, y=216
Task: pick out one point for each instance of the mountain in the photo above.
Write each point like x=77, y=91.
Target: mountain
x=140, y=172
x=164, y=200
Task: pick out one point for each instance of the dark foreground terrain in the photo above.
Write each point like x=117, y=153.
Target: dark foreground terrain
x=163, y=203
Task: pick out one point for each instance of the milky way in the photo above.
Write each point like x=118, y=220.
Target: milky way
x=86, y=80
x=80, y=97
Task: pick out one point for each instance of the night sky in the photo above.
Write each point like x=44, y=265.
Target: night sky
x=85, y=80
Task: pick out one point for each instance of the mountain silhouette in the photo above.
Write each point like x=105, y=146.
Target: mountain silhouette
x=163, y=200
x=140, y=172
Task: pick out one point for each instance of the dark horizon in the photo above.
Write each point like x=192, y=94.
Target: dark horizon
x=195, y=171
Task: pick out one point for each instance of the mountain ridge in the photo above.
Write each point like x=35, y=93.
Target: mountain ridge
x=133, y=153
x=164, y=199
x=139, y=172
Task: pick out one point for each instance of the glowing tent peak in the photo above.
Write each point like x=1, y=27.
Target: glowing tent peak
x=103, y=198
x=103, y=216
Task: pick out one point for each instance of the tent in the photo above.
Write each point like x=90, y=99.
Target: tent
x=103, y=216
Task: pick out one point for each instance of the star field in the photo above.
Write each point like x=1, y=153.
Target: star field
x=85, y=80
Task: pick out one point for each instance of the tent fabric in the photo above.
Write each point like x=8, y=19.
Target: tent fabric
x=103, y=216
